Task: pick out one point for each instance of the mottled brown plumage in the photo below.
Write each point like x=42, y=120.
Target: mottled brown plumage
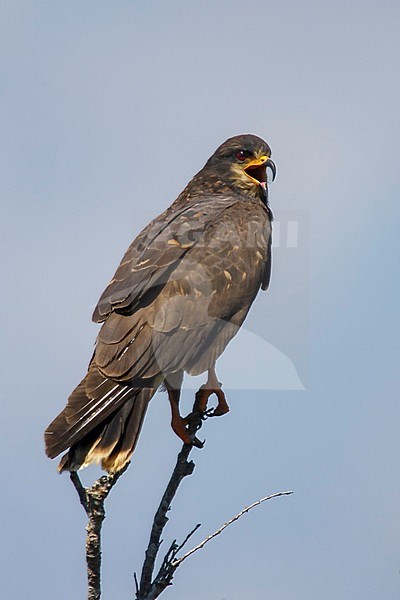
x=180, y=294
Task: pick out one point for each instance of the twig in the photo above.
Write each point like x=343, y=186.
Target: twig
x=180, y=560
x=136, y=584
x=80, y=489
x=92, y=500
x=189, y=535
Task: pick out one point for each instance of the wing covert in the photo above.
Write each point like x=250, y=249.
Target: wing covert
x=155, y=253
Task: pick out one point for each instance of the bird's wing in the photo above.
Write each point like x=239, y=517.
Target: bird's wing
x=217, y=282
x=155, y=253
x=201, y=306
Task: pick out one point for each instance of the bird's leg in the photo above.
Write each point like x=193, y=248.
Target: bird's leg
x=178, y=423
x=212, y=386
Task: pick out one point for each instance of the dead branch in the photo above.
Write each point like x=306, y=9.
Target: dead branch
x=92, y=500
x=150, y=589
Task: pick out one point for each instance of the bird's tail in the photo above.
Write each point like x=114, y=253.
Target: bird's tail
x=101, y=423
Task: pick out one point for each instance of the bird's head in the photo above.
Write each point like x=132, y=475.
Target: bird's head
x=242, y=162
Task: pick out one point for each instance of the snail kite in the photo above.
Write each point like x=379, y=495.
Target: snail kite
x=180, y=294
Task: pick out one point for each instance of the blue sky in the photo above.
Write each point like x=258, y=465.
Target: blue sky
x=108, y=109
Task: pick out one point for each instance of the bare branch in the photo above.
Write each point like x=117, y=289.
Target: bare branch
x=92, y=500
x=182, y=469
x=180, y=560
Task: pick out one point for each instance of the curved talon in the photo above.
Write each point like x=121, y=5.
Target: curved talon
x=192, y=420
x=208, y=413
x=198, y=443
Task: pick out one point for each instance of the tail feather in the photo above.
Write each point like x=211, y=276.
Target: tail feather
x=101, y=422
x=131, y=426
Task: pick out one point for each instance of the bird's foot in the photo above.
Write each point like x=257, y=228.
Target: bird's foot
x=201, y=401
x=186, y=427
x=181, y=426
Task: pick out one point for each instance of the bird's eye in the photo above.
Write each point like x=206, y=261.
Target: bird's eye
x=242, y=155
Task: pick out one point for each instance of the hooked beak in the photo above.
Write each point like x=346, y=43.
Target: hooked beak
x=271, y=165
x=256, y=170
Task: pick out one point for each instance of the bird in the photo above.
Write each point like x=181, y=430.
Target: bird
x=180, y=294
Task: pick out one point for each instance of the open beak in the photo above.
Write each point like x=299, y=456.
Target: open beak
x=257, y=170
